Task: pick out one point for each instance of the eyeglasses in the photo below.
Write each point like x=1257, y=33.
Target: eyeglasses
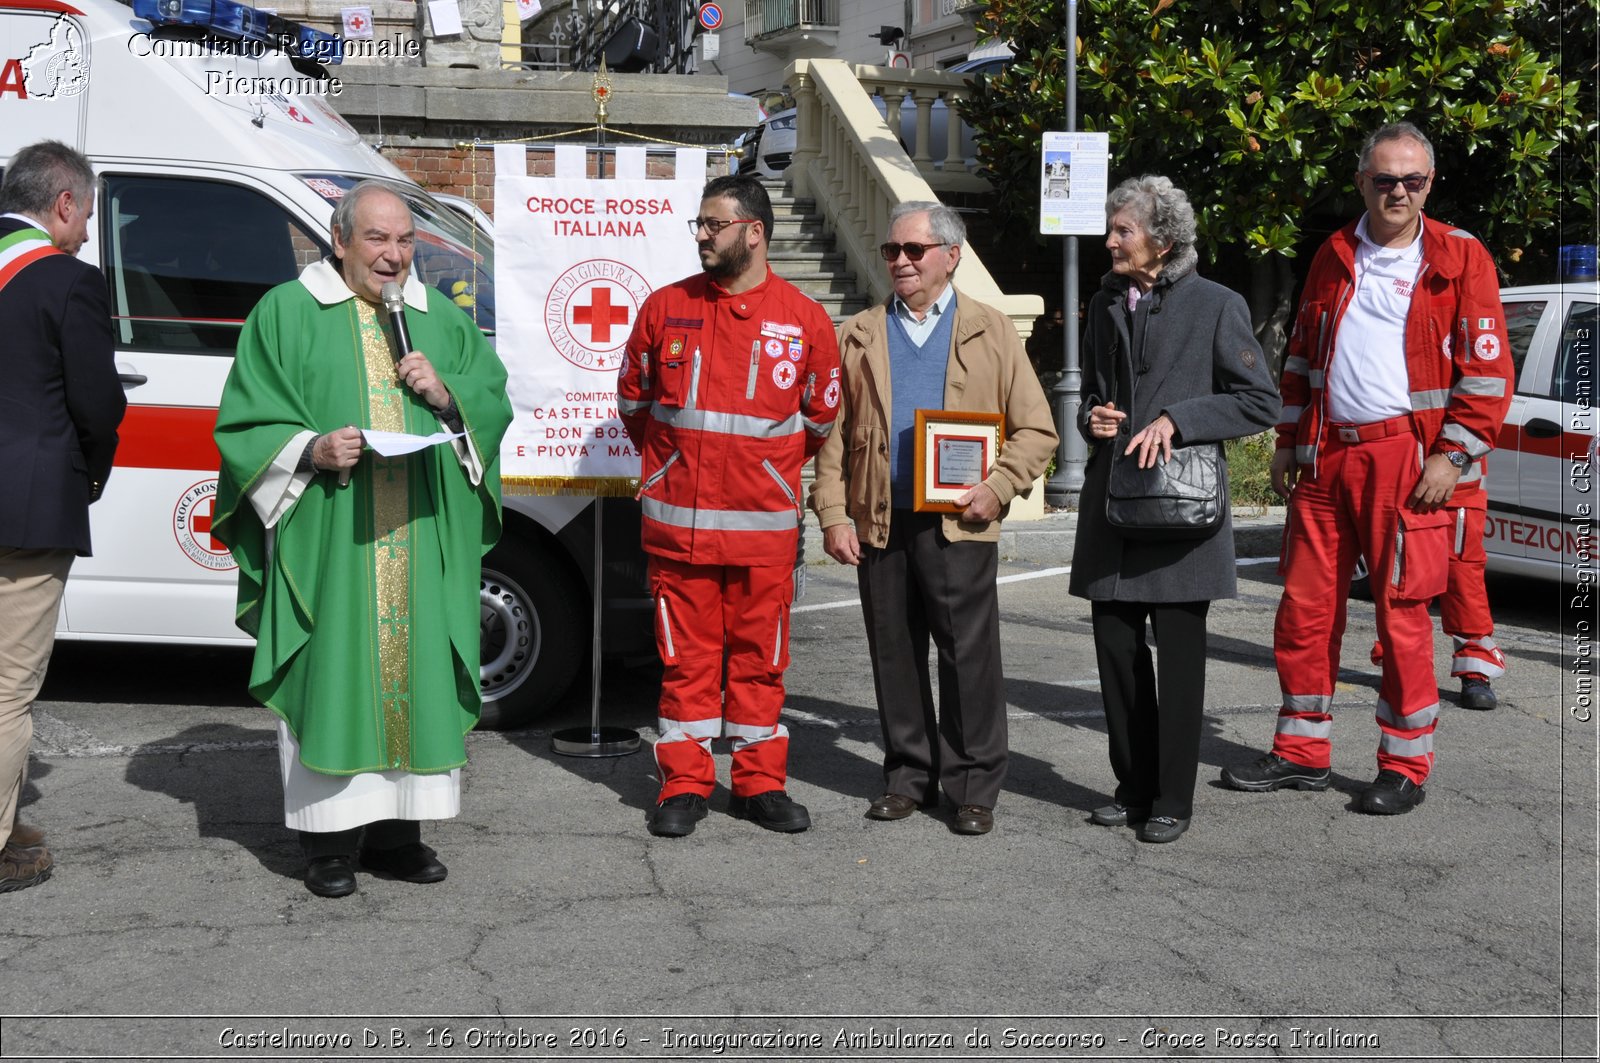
x=715, y=225
x=1414, y=182
x=913, y=252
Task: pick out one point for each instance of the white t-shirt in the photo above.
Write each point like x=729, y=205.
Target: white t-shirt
x=1367, y=379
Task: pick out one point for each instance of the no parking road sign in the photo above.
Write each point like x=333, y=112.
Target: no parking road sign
x=710, y=16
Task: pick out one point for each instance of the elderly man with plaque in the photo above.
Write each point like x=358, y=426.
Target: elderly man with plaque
x=932, y=374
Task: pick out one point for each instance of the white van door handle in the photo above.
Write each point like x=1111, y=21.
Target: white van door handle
x=132, y=380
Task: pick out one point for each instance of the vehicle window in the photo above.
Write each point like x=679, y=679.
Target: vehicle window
x=188, y=259
x=1522, y=321
x=1574, y=376
x=453, y=255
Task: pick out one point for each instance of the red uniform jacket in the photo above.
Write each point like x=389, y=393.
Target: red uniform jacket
x=1458, y=358
x=726, y=397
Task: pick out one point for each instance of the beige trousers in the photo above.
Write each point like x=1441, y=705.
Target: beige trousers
x=31, y=584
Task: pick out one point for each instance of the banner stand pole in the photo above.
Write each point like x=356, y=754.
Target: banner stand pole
x=596, y=741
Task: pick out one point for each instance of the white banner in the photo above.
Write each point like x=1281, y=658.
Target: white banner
x=574, y=260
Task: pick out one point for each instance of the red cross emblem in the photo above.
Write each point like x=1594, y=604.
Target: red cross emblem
x=357, y=23
x=600, y=315
x=201, y=521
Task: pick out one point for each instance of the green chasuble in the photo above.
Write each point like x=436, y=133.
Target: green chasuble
x=363, y=598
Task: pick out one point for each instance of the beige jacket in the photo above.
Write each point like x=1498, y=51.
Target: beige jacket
x=988, y=372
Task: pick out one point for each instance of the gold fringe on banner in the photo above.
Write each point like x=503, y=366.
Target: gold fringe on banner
x=587, y=486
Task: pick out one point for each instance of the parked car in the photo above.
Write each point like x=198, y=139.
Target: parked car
x=1543, y=470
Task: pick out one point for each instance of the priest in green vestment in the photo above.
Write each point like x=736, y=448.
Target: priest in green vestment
x=359, y=574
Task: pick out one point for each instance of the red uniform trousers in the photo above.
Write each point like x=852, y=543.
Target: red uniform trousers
x=1356, y=505
x=706, y=614
x=1464, y=606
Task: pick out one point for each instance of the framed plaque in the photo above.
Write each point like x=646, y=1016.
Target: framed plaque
x=955, y=450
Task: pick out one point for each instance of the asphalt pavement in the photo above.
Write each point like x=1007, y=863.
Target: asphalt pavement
x=1281, y=925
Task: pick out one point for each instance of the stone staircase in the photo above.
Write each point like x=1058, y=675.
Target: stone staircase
x=802, y=253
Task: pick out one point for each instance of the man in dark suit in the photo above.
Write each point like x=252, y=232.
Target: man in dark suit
x=59, y=414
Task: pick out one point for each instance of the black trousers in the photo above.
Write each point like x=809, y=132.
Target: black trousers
x=1153, y=723
x=384, y=834
x=918, y=587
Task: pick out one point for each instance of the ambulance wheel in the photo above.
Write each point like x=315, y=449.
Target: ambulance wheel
x=532, y=611
x=1361, y=581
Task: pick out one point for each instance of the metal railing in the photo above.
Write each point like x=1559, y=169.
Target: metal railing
x=851, y=161
x=588, y=29
x=762, y=18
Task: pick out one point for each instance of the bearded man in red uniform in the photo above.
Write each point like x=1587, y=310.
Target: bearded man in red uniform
x=1397, y=379
x=730, y=383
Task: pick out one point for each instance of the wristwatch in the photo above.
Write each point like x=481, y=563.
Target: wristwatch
x=1458, y=458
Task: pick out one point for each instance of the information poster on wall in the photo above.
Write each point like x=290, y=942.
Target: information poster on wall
x=1073, y=173
x=574, y=260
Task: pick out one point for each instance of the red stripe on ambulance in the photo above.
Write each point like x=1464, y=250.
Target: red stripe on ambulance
x=168, y=437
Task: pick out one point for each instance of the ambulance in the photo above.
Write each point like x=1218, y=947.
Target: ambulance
x=214, y=130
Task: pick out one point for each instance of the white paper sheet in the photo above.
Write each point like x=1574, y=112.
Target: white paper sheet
x=394, y=444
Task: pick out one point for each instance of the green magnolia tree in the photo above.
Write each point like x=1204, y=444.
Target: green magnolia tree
x=1258, y=110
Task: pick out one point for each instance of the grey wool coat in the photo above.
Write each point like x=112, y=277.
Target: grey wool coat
x=1188, y=352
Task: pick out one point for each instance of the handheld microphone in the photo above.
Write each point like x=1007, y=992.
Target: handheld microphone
x=395, y=303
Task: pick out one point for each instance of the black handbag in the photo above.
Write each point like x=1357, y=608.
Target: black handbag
x=1180, y=498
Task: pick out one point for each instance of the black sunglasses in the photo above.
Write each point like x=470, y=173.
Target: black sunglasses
x=1414, y=182
x=914, y=252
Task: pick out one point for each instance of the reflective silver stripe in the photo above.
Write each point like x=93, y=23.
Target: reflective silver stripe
x=1305, y=455
x=728, y=424
x=1290, y=725
x=1472, y=473
x=777, y=644
x=1406, y=747
x=742, y=741
x=1291, y=414
x=749, y=730
x=720, y=519
x=1465, y=662
x=666, y=626
x=817, y=429
x=1423, y=717
x=1308, y=702
x=1461, y=530
x=1475, y=447
x=631, y=405
x=755, y=367
x=688, y=730
x=1316, y=377
x=1296, y=365
x=1480, y=385
x=1434, y=399
x=694, y=380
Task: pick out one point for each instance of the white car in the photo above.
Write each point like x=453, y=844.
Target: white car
x=1542, y=489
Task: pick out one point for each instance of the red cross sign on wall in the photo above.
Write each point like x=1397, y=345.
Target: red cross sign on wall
x=600, y=315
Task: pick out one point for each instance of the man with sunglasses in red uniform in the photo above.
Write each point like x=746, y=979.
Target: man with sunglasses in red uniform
x=730, y=383
x=1397, y=379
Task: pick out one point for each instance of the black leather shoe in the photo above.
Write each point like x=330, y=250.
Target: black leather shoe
x=330, y=876
x=1391, y=794
x=892, y=806
x=1272, y=772
x=774, y=810
x=676, y=816
x=973, y=819
x=1118, y=815
x=1476, y=693
x=1161, y=829
x=413, y=862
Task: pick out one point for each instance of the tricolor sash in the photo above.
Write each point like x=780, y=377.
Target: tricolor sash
x=21, y=249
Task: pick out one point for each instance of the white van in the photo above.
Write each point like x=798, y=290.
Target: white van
x=221, y=158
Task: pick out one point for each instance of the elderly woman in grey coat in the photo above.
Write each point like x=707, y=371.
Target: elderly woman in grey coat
x=1169, y=360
